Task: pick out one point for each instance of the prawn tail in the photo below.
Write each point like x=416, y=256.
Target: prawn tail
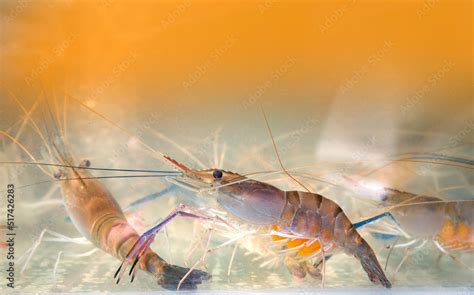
x=169, y=276
x=370, y=264
x=347, y=237
x=152, y=263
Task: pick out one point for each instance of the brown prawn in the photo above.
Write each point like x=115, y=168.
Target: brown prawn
x=308, y=226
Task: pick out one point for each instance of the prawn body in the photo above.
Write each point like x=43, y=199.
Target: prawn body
x=317, y=226
x=95, y=213
x=100, y=219
x=449, y=223
x=307, y=225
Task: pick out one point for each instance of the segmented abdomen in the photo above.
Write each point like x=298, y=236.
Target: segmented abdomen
x=318, y=221
x=322, y=227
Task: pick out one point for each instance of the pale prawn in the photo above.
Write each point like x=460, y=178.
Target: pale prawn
x=420, y=218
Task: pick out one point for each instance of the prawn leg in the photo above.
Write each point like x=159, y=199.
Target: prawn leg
x=208, y=251
x=375, y=218
x=408, y=252
x=297, y=270
x=198, y=261
x=315, y=269
x=143, y=243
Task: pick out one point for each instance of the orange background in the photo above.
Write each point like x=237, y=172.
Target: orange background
x=166, y=42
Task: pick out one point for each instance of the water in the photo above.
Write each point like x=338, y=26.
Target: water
x=39, y=207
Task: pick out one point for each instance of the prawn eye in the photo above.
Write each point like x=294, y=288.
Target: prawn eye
x=383, y=196
x=58, y=174
x=85, y=163
x=217, y=174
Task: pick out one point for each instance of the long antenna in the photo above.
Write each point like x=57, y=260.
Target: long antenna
x=90, y=168
x=278, y=154
x=150, y=149
x=23, y=148
x=93, y=177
